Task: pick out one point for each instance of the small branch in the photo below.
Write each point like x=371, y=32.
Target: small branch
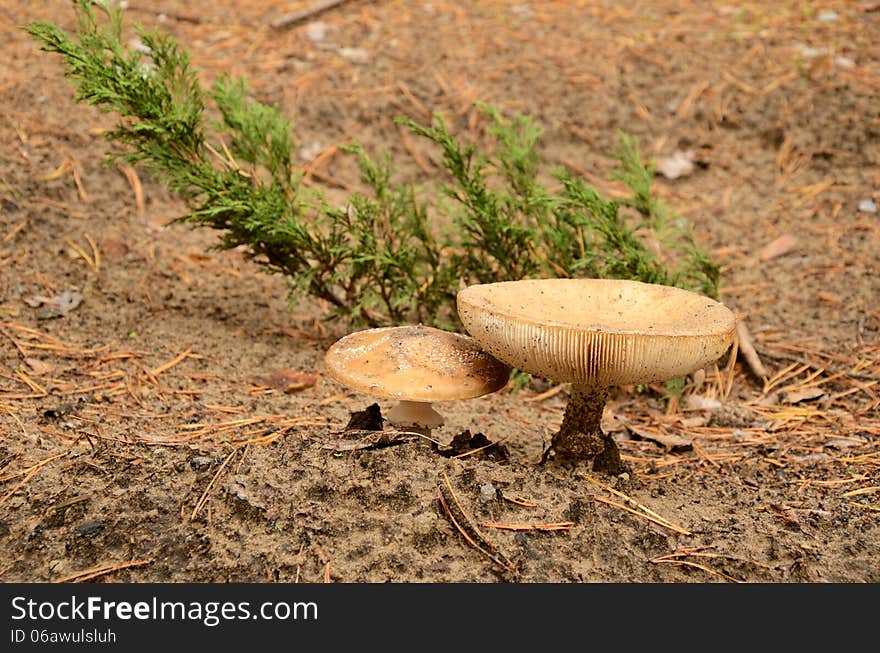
x=295, y=17
x=748, y=352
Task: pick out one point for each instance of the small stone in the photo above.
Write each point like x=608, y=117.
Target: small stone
x=90, y=529
x=316, y=31
x=868, y=206
x=809, y=52
x=679, y=164
x=199, y=463
x=355, y=55
x=487, y=492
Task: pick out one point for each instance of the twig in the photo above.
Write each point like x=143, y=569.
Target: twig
x=296, y=17
x=748, y=352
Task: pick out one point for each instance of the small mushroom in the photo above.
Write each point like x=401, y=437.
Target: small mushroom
x=595, y=334
x=416, y=365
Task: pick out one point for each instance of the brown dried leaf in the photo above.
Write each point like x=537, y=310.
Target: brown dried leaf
x=114, y=249
x=38, y=366
x=671, y=443
x=289, y=381
x=804, y=394
x=777, y=247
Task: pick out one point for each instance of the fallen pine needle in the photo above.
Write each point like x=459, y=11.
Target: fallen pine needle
x=645, y=511
x=81, y=252
x=833, y=482
x=204, y=498
x=638, y=513
x=89, y=574
x=167, y=366
x=447, y=500
x=861, y=490
x=548, y=393
x=520, y=501
x=29, y=474
x=866, y=506
x=557, y=526
x=688, y=563
x=478, y=449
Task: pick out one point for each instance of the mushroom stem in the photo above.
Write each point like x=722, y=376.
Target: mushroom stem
x=418, y=416
x=580, y=438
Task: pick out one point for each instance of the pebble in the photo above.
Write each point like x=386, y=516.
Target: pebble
x=868, y=206
x=201, y=462
x=316, y=31
x=90, y=528
x=487, y=492
x=355, y=55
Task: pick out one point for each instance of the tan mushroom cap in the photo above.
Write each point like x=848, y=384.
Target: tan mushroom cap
x=414, y=363
x=596, y=331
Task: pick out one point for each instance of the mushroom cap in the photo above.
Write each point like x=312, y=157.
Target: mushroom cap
x=414, y=363
x=596, y=331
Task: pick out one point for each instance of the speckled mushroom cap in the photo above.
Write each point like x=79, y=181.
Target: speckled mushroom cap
x=596, y=331
x=414, y=363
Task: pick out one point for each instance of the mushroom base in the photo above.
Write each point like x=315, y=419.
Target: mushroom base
x=580, y=438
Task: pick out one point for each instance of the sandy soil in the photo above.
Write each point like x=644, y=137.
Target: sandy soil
x=142, y=437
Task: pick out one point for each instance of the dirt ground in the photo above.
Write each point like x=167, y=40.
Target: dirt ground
x=147, y=434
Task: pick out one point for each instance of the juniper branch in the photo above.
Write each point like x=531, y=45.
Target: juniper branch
x=380, y=258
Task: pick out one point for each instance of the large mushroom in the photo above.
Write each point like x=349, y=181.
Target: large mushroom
x=416, y=366
x=595, y=334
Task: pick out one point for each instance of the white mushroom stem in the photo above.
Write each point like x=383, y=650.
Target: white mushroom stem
x=417, y=415
x=580, y=437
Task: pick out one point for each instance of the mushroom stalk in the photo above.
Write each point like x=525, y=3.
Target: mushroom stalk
x=417, y=416
x=580, y=437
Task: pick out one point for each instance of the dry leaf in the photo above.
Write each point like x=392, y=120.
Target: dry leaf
x=699, y=402
x=796, y=396
x=289, y=381
x=57, y=306
x=782, y=245
x=678, y=164
x=38, y=366
x=671, y=443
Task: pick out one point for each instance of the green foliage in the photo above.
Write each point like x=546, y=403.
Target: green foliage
x=385, y=257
